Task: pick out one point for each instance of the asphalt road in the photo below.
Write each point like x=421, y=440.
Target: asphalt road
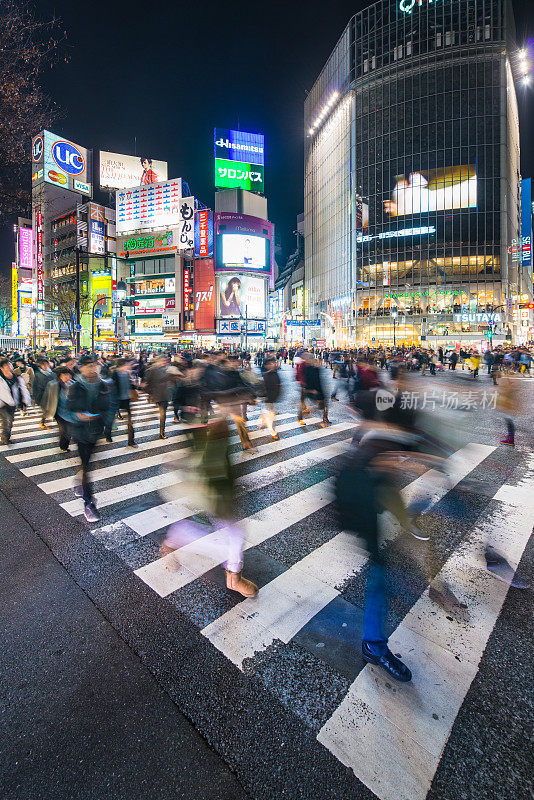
x=108, y=649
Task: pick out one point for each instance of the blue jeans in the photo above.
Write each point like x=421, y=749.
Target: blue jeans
x=375, y=610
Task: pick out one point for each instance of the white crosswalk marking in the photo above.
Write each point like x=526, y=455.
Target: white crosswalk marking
x=444, y=652
x=411, y=724
x=317, y=575
x=164, y=576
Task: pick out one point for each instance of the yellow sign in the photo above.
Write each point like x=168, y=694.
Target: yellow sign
x=14, y=293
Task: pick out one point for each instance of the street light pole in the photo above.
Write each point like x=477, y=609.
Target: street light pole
x=103, y=297
x=33, y=313
x=77, y=303
x=394, y=317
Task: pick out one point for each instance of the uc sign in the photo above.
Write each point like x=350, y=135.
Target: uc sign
x=68, y=157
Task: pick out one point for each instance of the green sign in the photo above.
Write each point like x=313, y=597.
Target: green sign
x=239, y=175
x=424, y=293
x=149, y=242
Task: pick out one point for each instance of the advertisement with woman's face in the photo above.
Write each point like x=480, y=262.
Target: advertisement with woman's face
x=240, y=296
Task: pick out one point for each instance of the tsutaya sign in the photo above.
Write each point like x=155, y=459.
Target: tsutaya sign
x=479, y=319
x=408, y=5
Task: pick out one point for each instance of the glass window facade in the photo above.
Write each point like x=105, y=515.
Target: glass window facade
x=412, y=184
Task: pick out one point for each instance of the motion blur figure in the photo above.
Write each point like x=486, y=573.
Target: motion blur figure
x=273, y=388
x=214, y=473
x=89, y=402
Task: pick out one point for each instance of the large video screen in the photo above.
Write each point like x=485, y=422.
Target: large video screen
x=242, y=250
x=240, y=296
x=443, y=189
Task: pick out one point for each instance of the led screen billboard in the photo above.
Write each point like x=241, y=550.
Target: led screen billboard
x=118, y=171
x=240, y=295
x=239, y=175
x=233, y=145
x=242, y=250
x=444, y=189
x=243, y=242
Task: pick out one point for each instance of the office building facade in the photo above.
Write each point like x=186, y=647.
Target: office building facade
x=412, y=177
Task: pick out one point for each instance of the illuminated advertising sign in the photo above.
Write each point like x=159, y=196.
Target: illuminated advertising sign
x=187, y=289
x=204, y=233
x=153, y=207
x=39, y=257
x=232, y=145
x=60, y=162
x=239, y=175
x=156, y=306
x=97, y=239
x=240, y=296
x=433, y=190
x=526, y=222
x=25, y=248
x=241, y=250
x=14, y=293
x=243, y=242
x=144, y=245
x=478, y=319
x=204, y=295
x=123, y=172
x=396, y=234
x=407, y=6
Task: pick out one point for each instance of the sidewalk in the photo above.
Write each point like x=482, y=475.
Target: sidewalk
x=81, y=716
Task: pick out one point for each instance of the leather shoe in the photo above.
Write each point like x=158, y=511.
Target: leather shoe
x=388, y=662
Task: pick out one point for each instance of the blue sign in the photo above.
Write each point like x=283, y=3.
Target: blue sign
x=526, y=222
x=98, y=313
x=78, y=327
x=239, y=146
x=305, y=323
x=68, y=157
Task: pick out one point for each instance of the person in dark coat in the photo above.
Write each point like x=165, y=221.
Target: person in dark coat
x=273, y=386
x=89, y=401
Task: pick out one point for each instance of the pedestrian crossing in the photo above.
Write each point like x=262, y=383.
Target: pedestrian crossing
x=304, y=565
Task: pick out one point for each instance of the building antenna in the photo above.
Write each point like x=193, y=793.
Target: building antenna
x=135, y=145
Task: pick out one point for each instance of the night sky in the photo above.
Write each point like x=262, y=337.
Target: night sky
x=155, y=78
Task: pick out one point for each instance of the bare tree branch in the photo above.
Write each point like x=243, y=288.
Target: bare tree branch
x=28, y=46
x=62, y=296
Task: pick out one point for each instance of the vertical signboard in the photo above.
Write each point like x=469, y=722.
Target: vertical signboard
x=205, y=295
x=25, y=248
x=14, y=296
x=526, y=222
x=97, y=239
x=187, y=292
x=39, y=257
x=239, y=160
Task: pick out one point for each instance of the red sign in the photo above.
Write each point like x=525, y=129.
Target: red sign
x=170, y=302
x=205, y=295
x=203, y=217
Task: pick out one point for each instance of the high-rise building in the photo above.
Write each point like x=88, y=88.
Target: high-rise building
x=412, y=177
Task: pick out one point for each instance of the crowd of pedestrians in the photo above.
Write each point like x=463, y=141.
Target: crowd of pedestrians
x=208, y=390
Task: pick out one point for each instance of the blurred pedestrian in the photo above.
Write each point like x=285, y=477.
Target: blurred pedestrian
x=13, y=393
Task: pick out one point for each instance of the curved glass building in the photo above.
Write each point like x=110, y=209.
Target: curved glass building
x=412, y=182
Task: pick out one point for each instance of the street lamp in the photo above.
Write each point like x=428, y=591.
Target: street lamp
x=394, y=318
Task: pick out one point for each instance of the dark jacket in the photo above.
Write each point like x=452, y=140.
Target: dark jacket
x=39, y=384
x=271, y=380
x=82, y=400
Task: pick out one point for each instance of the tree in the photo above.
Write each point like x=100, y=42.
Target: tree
x=5, y=303
x=28, y=46
x=62, y=296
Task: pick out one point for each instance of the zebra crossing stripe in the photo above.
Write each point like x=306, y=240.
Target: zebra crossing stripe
x=172, y=572
x=157, y=482
x=145, y=522
x=118, y=452
x=317, y=577
x=414, y=721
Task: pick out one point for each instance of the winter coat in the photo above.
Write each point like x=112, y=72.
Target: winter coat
x=39, y=384
x=14, y=395
x=81, y=400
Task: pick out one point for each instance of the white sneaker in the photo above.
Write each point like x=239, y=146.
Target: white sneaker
x=90, y=513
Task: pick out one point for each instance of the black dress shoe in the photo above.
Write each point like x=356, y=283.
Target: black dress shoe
x=388, y=662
